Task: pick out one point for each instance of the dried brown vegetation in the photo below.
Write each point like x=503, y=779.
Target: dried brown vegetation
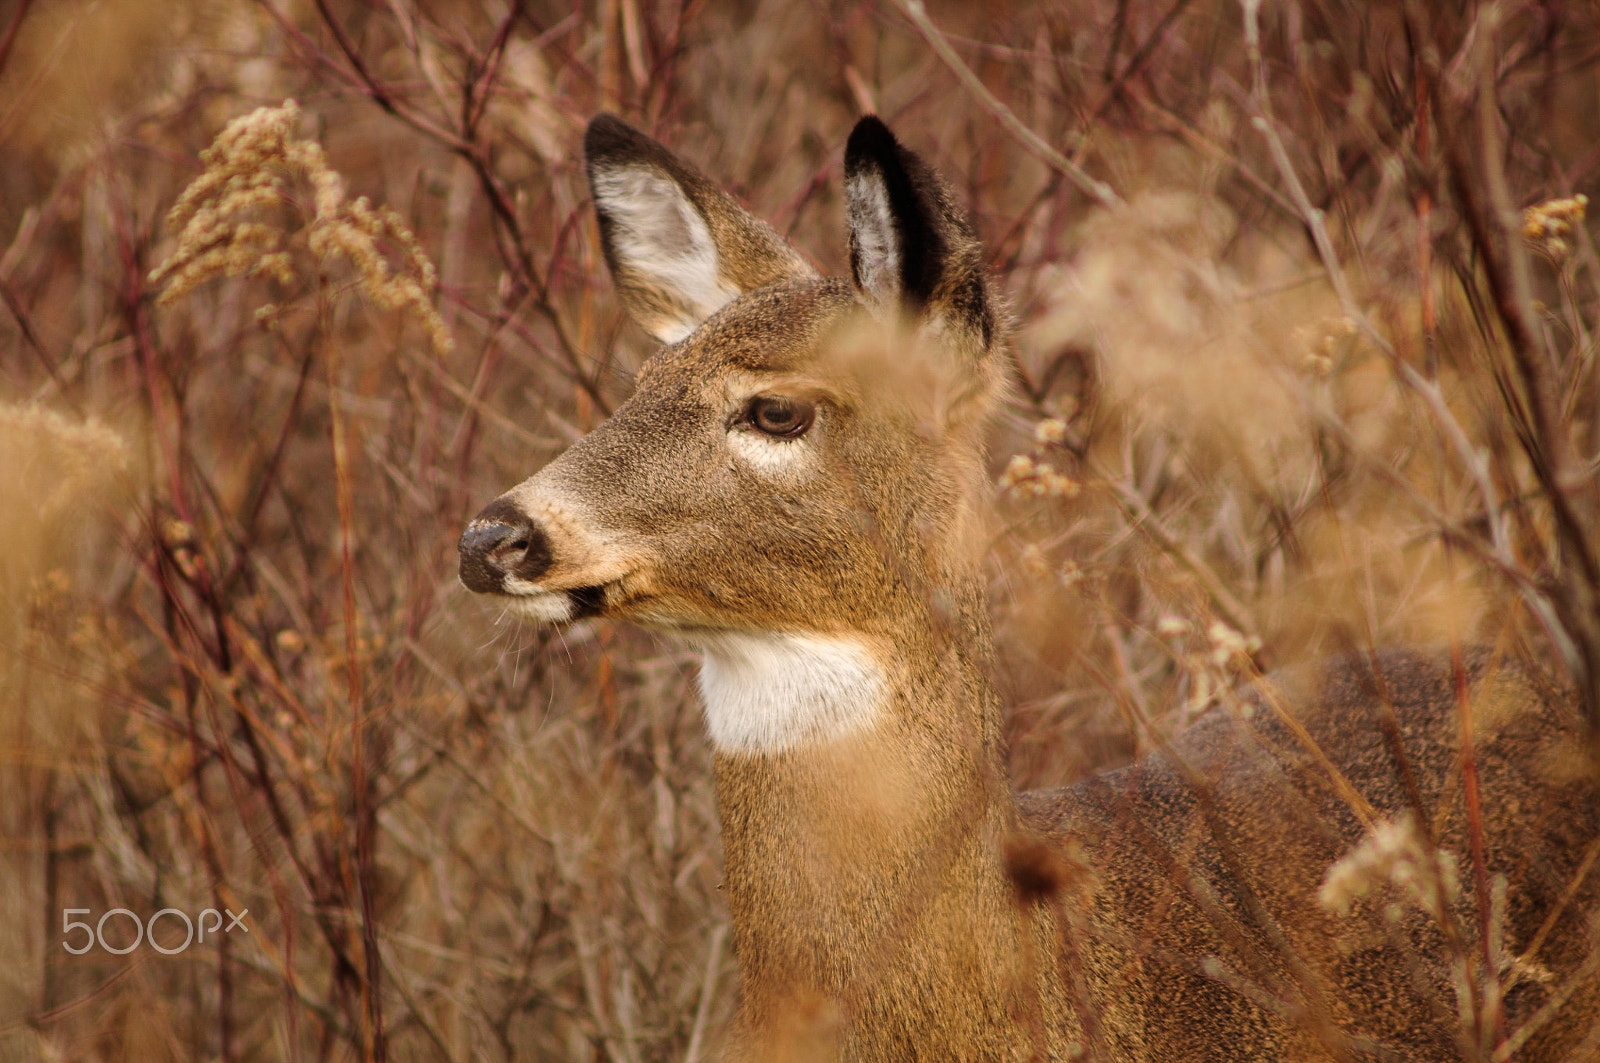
x=1305, y=309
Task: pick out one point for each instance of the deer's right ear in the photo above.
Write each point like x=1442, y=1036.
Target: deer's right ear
x=678, y=246
x=912, y=252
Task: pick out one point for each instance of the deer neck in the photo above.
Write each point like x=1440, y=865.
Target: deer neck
x=862, y=854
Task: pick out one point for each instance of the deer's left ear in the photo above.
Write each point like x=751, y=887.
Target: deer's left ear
x=679, y=247
x=912, y=252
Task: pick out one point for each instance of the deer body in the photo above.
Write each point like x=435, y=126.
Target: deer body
x=796, y=488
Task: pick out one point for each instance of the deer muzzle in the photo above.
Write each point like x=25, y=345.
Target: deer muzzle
x=502, y=542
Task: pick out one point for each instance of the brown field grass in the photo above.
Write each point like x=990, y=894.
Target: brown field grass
x=1322, y=381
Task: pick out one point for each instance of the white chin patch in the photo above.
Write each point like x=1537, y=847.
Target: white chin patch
x=536, y=603
x=766, y=692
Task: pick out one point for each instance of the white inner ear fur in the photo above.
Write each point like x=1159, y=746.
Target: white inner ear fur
x=766, y=692
x=660, y=235
x=877, y=242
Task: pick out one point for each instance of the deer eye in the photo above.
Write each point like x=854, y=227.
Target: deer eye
x=780, y=417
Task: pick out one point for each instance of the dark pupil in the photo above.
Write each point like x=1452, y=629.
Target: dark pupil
x=779, y=416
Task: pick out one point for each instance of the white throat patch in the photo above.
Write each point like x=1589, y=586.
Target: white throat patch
x=770, y=691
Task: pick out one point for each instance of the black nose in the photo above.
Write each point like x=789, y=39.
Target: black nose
x=501, y=542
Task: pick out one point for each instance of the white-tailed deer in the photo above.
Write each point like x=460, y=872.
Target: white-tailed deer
x=797, y=487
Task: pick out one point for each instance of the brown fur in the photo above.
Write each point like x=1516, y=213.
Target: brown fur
x=891, y=897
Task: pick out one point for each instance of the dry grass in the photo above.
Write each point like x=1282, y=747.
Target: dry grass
x=1310, y=378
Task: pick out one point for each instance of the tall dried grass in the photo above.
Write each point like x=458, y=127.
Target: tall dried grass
x=1308, y=387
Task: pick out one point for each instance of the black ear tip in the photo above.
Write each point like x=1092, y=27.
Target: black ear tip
x=607, y=135
x=870, y=143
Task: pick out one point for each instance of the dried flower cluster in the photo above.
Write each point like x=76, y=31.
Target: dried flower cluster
x=1394, y=852
x=1228, y=645
x=1027, y=476
x=1212, y=666
x=1327, y=343
x=1050, y=432
x=230, y=226
x=1546, y=225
